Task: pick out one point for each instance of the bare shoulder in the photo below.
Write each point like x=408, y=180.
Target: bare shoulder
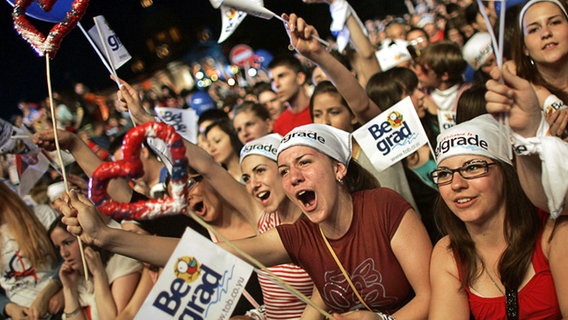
x=443, y=258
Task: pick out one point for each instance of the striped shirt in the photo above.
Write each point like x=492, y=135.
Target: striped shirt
x=279, y=302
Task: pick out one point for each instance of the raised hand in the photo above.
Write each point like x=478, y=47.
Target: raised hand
x=69, y=276
x=82, y=218
x=128, y=99
x=302, y=36
x=516, y=97
x=558, y=121
x=46, y=139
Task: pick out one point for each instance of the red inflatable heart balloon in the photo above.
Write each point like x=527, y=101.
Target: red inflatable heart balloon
x=131, y=167
x=46, y=44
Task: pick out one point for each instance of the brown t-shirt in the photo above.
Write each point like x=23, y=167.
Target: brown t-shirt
x=364, y=251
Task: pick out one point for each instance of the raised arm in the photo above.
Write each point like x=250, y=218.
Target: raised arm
x=230, y=189
x=517, y=97
x=86, y=158
x=300, y=34
x=82, y=219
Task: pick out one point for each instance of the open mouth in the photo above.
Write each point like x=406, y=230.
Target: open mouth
x=307, y=197
x=549, y=45
x=263, y=195
x=198, y=207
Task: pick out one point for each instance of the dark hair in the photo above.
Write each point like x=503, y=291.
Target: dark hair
x=116, y=143
x=358, y=178
x=453, y=24
x=424, y=33
x=226, y=126
x=386, y=88
x=471, y=103
x=288, y=61
x=326, y=87
x=261, y=87
x=470, y=12
x=525, y=66
x=258, y=109
x=521, y=229
x=444, y=56
x=511, y=30
x=213, y=115
x=105, y=255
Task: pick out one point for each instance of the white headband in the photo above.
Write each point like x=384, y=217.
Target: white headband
x=477, y=49
x=479, y=136
x=265, y=146
x=328, y=140
x=531, y=3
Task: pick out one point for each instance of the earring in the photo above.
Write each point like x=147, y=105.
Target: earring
x=340, y=180
x=531, y=60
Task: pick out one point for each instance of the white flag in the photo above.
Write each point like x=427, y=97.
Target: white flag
x=392, y=135
x=446, y=119
x=253, y=7
x=183, y=120
x=117, y=52
x=231, y=18
x=200, y=281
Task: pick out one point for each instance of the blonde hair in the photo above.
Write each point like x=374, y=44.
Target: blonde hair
x=30, y=234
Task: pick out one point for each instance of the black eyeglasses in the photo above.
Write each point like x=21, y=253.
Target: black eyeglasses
x=193, y=181
x=470, y=170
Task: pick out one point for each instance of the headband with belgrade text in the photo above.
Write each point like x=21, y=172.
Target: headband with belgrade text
x=265, y=146
x=479, y=136
x=328, y=140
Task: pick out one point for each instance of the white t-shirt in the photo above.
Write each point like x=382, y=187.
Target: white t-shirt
x=19, y=279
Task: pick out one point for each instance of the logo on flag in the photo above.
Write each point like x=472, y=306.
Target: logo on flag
x=205, y=286
x=446, y=119
x=392, y=135
x=117, y=52
x=231, y=19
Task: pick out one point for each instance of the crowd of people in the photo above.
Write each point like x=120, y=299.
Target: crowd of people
x=470, y=225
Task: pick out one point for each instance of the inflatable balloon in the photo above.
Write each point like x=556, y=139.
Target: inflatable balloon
x=131, y=167
x=57, y=13
x=41, y=43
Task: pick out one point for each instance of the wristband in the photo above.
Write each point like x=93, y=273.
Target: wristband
x=67, y=316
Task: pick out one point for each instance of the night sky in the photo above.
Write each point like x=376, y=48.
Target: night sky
x=23, y=71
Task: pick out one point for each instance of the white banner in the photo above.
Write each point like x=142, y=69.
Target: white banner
x=183, y=120
x=118, y=53
x=392, y=135
x=200, y=281
x=446, y=119
x=231, y=18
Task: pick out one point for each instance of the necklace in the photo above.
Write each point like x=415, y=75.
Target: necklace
x=491, y=278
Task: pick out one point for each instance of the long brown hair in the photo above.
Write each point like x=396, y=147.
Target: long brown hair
x=30, y=234
x=525, y=66
x=521, y=228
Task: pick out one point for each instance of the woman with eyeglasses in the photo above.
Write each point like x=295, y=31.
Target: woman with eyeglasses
x=501, y=258
x=353, y=231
